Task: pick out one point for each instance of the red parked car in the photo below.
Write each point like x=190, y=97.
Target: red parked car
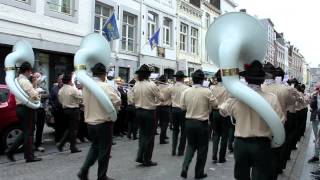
x=9, y=124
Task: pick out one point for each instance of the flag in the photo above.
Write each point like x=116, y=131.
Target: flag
x=110, y=28
x=154, y=40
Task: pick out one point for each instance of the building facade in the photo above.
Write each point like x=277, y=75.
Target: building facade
x=159, y=15
x=188, y=35
x=281, y=52
x=210, y=11
x=295, y=61
x=53, y=27
x=269, y=26
x=314, y=77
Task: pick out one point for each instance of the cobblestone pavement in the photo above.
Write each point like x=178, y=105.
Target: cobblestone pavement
x=64, y=166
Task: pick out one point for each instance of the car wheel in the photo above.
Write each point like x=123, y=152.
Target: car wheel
x=10, y=135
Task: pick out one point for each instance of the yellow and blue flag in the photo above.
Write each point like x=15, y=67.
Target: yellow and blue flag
x=110, y=28
x=154, y=40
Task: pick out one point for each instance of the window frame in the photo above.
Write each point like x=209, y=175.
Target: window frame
x=101, y=16
x=31, y=6
x=167, y=29
x=185, y=35
x=194, y=38
x=128, y=25
x=72, y=17
x=151, y=23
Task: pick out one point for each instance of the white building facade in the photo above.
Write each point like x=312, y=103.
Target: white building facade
x=53, y=27
x=188, y=36
x=269, y=26
x=159, y=15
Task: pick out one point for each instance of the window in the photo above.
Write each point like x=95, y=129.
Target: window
x=190, y=71
x=183, y=36
x=61, y=6
x=152, y=24
x=167, y=32
x=215, y=3
x=124, y=73
x=102, y=13
x=194, y=40
x=129, y=27
x=29, y=5
x=195, y=3
x=24, y=1
x=207, y=20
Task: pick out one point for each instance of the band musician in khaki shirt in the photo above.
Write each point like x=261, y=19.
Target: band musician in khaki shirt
x=146, y=96
x=198, y=102
x=164, y=108
x=100, y=126
x=26, y=116
x=178, y=115
x=252, y=146
x=70, y=97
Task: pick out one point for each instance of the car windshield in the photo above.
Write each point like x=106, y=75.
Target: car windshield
x=4, y=95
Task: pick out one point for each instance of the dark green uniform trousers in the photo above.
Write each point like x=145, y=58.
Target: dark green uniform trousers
x=221, y=127
x=289, y=127
x=197, y=133
x=147, y=130
x=252, y=156
x=164, y=118
x=178, y=121
x=26, y=117
x=72, y=115
x=132, y=124
x=101, y=142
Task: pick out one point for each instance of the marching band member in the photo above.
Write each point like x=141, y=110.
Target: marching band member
x=287, y=98
x=100, y=126
x=164, y=108
x=131, y=113
x=198, y=102
x=219, y=123
x=26, y=116
x=252, y=146
x=146, y=95
x=178, y=115
x=70, y=98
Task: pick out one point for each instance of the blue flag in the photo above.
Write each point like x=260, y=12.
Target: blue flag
x=154, y=40
x=110, y=28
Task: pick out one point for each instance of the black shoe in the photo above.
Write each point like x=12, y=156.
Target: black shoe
x=214, y=160
x=164, y=142
x=222, y=161
x=139, y=161
x=173, y=153
x=135, y=137
x=166, y=137
x=184, y=174
x=35, y=159
x=201, y=176
x=60, y=148
x=231, y=150
x=10, y=156
x=82, y=176
x=75, y=150
x=315, y=173
x=313, y=159
x=148, y=164
x=114, y=143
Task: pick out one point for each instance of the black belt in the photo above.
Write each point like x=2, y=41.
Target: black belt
x=264, y=139
x=204, y=122
x=75, y=108
x=142, y=109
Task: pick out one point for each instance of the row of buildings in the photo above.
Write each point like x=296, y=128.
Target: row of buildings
x=55, y=29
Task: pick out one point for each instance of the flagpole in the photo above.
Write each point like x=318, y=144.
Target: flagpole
x=108, y=18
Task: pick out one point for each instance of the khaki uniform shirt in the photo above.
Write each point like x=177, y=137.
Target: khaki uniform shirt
x=165, y=92
x=146, y=94
x=27, y=87
x=130, y=96
x=285, y=96
x=249, y=123
x=198, y=102
x=69, y=96
x=94, y=113
x=176, y=92
x=220, y=93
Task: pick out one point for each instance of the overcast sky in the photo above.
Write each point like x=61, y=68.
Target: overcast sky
x=298, y=20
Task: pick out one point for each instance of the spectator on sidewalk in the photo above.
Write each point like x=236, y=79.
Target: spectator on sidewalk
x=314, y=118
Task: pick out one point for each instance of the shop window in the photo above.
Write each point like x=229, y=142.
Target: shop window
x=169, y=73
x=124, y=73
